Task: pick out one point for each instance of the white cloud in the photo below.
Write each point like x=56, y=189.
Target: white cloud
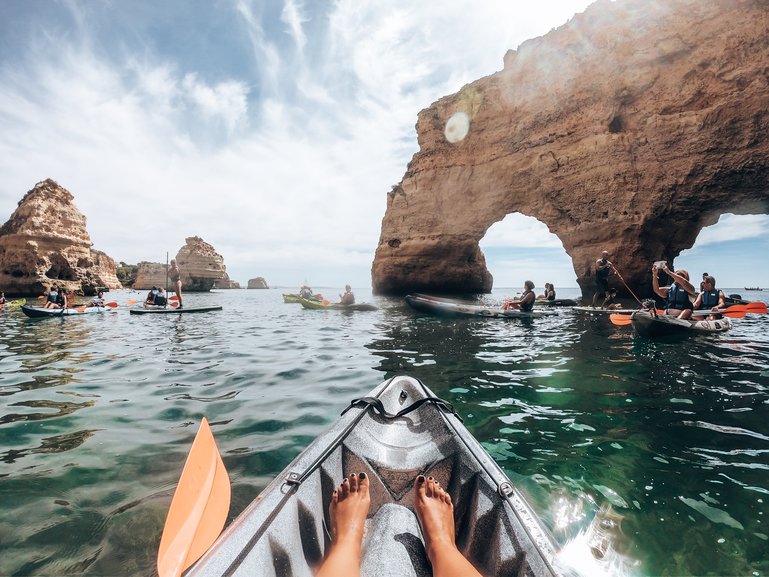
x=732, y=227
x=284, y=168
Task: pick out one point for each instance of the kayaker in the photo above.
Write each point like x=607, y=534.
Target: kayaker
x=526, y=304
x=175, y=275
x=549, y=292
x=603, y=268
x=349, y=508
x=677, y=293
x=2, y=298
x=347, y=298
x=709, y=299
x=305, y=292
x=160, y=298
x=98, y=300
x=150, y=300
x=50, y=298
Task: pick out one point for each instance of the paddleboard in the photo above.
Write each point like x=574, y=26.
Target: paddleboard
x=173, y=311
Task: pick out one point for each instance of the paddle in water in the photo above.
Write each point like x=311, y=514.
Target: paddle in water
x=198, y=509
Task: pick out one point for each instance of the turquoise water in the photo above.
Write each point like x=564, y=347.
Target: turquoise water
x=98, y=413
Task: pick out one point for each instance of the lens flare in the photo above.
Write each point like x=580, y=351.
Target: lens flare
x=457, y=127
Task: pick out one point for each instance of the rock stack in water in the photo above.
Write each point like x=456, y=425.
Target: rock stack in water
x=200, y=264
x=45, y=243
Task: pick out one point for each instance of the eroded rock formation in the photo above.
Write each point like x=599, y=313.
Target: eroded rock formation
x=226, y=283
x=201, y=266
x=151, y=274
x=627, y=129
x=257, y=283
x=45, y=242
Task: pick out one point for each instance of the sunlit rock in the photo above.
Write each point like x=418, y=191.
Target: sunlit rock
x=45, y=243
x=628, y=129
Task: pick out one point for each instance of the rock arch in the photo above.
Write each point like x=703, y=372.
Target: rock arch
x=628, y=129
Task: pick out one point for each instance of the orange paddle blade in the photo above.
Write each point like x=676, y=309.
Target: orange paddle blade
x=756, y=307
x=174, y=305
x=620, y=320
x=173, y=298
x=199, y=507
x=80, y=309
x=111, y=305
x=131, y=302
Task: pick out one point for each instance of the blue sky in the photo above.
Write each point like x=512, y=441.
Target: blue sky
x=272, y=129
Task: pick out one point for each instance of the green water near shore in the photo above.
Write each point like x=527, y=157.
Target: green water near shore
x=98, y=413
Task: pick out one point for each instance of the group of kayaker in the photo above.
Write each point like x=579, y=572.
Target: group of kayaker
x=681, y=298
x=346, y=298
x=56, y=298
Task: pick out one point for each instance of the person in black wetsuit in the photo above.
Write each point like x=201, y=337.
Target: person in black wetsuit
x=677, y=293
x=603, y=268
x=710, y=299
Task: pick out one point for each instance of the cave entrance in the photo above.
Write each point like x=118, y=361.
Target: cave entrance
x=520, y=248
x=733, y=251
x=60, y=269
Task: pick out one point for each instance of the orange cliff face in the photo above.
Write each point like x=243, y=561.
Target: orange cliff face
x=627, y=129
x=45, y=242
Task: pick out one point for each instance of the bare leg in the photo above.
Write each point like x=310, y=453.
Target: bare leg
x=436, y=517
x=179, y=292
x=348, y=509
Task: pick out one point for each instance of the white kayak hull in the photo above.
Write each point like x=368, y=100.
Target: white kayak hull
x=283, y=531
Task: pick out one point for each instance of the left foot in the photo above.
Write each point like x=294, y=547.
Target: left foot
x=349, y=507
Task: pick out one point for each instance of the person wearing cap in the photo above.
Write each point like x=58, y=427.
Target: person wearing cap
x=347, y=298
x=603, y=268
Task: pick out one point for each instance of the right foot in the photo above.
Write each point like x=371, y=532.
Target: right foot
x=436, y=515
x=348, y=509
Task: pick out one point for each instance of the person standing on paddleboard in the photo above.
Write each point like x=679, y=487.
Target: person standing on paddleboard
x=603, y=268
x=175, y=276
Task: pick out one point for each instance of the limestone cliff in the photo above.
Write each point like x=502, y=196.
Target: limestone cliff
x=627, y=129
x=151, y=274
x=45, y=242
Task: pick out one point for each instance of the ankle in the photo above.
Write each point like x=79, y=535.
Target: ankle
x=439, y=548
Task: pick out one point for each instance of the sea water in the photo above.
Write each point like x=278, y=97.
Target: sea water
x=643, y=457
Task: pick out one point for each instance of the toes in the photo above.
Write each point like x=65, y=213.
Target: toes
x=363, y=482
x=353, y=480
x=344, y=488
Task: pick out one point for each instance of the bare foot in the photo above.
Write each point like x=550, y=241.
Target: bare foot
x=435, y=513
x=347, y=512
x=436, y=517
x=349, y=506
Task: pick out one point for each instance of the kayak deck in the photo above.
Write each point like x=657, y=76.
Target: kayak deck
x=450, y=307
x=171, y=310
x=317, y=305
x=284, y=530
x=647, y=324
x=40, y=312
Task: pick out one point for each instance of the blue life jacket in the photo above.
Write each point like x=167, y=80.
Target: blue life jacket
x=160, y=300
x=60, y=299
x=527, y=307
x=709, y=299
x=53, y=296
x=678, y=298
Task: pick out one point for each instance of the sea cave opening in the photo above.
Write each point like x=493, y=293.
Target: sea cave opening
x=733, y=251
x=520, y=248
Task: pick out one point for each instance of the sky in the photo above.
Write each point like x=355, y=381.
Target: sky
x=271, y=129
